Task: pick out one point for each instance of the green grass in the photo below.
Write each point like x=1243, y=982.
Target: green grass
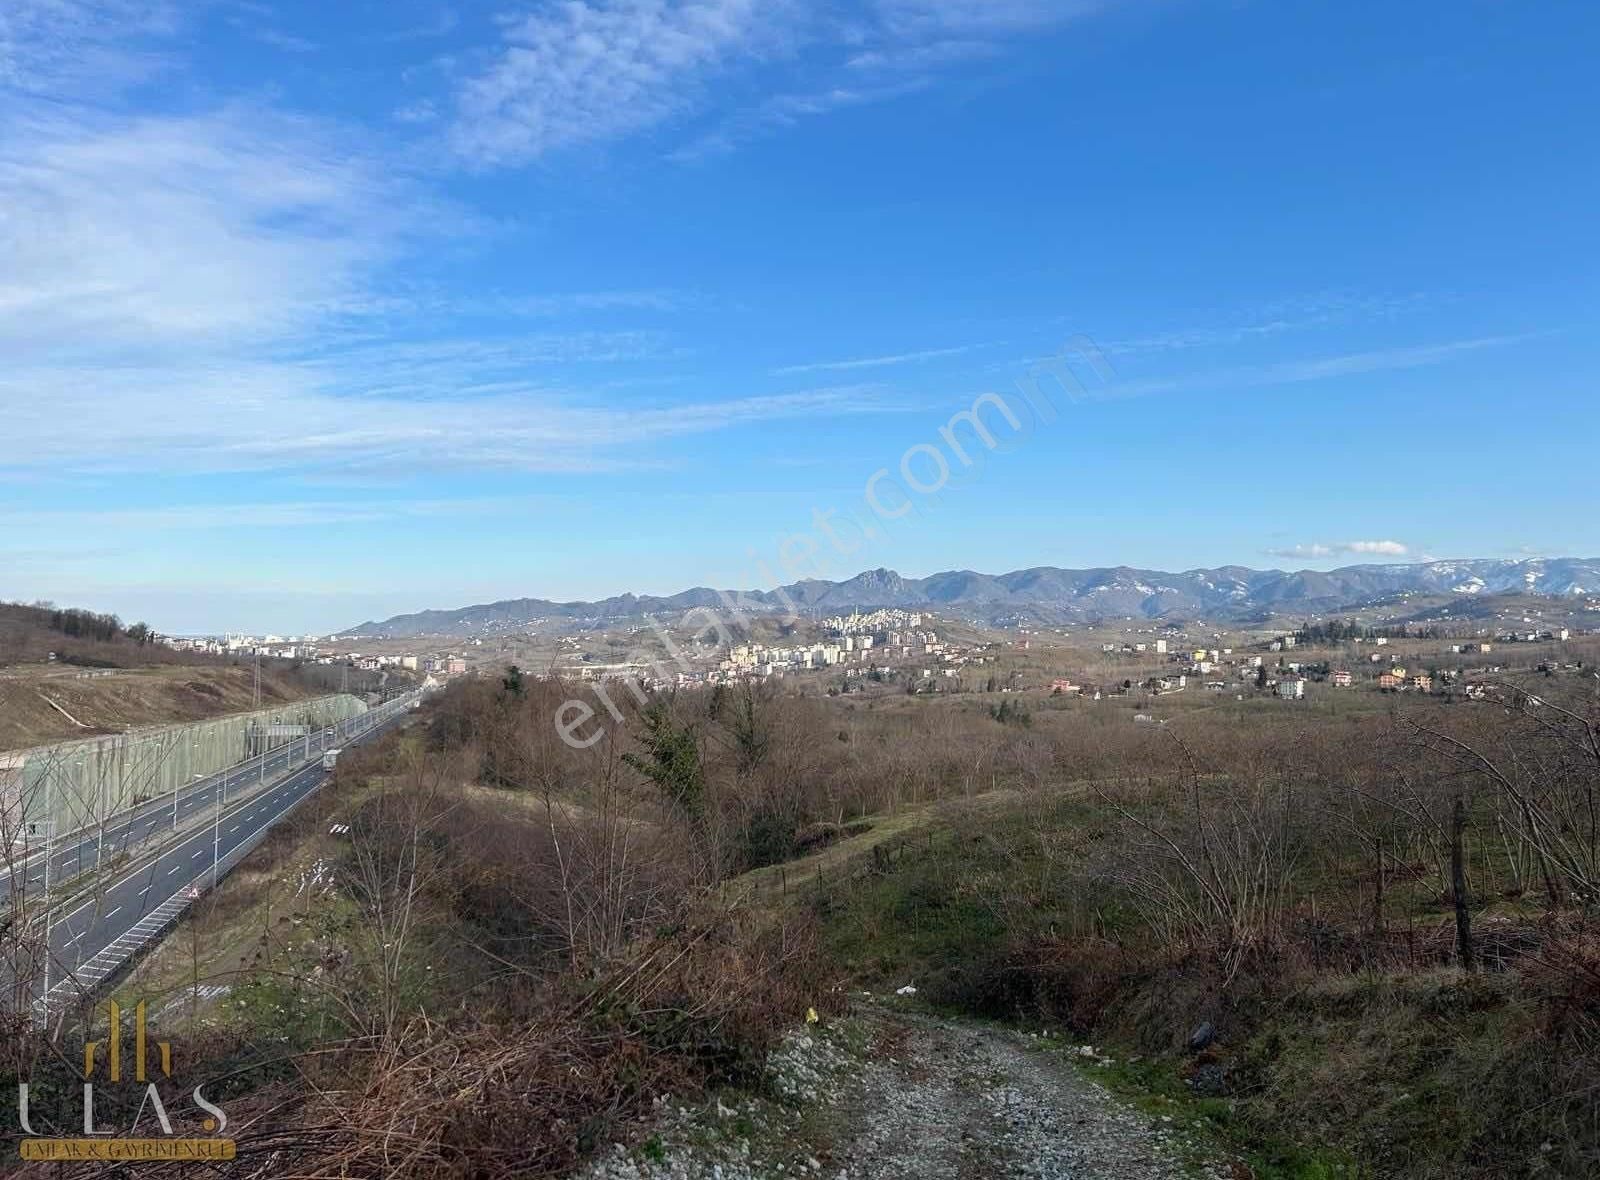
x=1157, y=1088
x=1423, y=1074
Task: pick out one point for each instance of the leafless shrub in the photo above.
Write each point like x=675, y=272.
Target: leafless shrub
x=1211, y=862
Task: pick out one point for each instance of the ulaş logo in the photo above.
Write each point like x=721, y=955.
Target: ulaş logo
x=100, y=1144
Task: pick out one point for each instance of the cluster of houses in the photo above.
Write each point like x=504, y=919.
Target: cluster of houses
x=755, y=659
x=1555, y=635
x=1288, y=679
x=310, y=649
x=861, y=645
x=883, y=645
x=877, y=622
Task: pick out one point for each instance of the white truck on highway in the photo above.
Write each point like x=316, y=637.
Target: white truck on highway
x=330, y=759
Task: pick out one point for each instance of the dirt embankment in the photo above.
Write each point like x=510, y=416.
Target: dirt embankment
x=41, y=704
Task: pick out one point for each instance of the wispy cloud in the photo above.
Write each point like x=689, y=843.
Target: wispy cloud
x=1276, y=318
x=873, y=362
x=443, y=24
x=287, y=42
x=147, y=232
x=580, y=301
x=1313, y=369
x=212, y=292
x=282, y=514
x=58, y=47
x=947, y=18
x=594, y=71
x=425, y=413
x=424, y=110
x=1316, y=550
x=785, y=110
x=1379, y=360
x=585, y=72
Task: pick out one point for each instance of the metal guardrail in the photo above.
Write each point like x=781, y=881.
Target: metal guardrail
x=105, y=963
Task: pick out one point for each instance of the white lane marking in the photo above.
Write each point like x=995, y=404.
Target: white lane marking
x=306, y=775
x=114, y=912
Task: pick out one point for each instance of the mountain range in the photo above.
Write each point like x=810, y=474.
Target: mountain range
x=1044, y=594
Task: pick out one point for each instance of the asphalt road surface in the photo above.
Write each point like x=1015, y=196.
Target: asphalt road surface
x=80, y=851
x=133, y=906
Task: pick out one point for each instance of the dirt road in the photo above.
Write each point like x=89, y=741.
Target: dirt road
x=906, y=1096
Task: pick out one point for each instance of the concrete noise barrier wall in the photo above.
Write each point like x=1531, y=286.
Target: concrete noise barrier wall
x=78, y=783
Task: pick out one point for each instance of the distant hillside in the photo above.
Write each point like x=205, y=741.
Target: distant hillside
x=34, y=633
x=1050, y=595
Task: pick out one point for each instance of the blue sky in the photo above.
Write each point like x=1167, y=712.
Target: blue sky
x=319, y=312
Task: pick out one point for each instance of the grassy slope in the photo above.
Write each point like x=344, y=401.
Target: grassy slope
x=268, y=916
x=1420, y=1074
x=114, y=700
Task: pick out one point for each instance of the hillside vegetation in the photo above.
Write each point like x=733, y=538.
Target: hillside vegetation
x=69, y=674
x=1329, y=941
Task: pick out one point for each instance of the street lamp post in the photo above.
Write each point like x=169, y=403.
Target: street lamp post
x=100, y=828
x=175, y=784
x=216, y=840
x=49, y=834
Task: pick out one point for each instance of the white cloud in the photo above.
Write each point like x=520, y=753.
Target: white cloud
x=1315, y=369
x=283, y=514
x=287, y=42
x=422, y=111
x=785, y=110
x=944, y=18
x=1307, y=551
x=1381, y=360
x=424, y=411
x=1316, y=550
x=211, y=293
x=593, y=70
x=873, y=362
x=440, y=26
x=1275, y=318
x=143, y=233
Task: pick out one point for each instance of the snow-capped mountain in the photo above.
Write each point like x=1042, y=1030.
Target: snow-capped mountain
x=1048, y=594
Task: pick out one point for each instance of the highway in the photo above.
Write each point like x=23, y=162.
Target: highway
x=80, y=851
x=90, y=940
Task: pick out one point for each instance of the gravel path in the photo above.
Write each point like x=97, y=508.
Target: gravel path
x=907, y=1096
x=945, y=1101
